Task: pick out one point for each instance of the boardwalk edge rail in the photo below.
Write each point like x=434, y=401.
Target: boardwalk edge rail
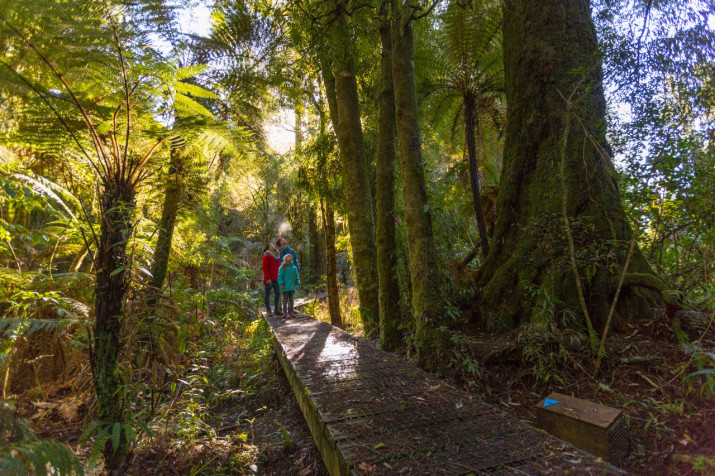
x=333, y=458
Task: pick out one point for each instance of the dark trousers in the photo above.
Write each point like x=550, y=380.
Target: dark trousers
x=288, y=301
x=267, y=296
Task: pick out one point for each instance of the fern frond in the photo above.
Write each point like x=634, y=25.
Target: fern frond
x=25, y=454
x=194, y=90
x=185, y=106
x=43, y=187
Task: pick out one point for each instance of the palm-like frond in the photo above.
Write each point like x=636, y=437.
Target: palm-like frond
x=462, y=61
x=463, y=57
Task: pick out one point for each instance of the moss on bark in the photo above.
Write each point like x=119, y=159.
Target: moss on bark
x=332, y=265
x=359, y=203
x=169, y=211
x=427, y=305
x=553, y=84
x=389, y=292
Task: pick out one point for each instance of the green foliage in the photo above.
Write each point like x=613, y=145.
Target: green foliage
x=21, y=453
x=460, y=60
x=466, y=368
x=661, y=77
x=214, y=379
x=104, y=432
x=705, y=363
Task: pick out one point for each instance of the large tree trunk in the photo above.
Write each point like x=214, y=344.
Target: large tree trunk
x=169, y=211
x=427, y=305
x=470, y=121
x=558, y=186
x=390, y=336
x=117, y=218
x=361, y=222
x=332, y=271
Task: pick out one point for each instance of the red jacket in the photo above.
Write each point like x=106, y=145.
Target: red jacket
x=270, y=267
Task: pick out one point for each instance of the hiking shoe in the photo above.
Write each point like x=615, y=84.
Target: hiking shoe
x=292, y=314
x=268, y=311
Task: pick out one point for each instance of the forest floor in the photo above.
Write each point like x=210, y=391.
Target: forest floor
x=669, y=411
x=236, y=413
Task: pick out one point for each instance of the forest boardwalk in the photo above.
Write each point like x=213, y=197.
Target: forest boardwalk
x=372, y=412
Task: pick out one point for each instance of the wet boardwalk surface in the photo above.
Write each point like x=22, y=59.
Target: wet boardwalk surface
x=372, y=412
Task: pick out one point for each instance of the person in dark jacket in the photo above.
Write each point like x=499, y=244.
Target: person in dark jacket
x=284, y=249
x=271, y=263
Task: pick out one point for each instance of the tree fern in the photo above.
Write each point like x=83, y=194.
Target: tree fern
x=464, y=81
x=21, y=453
x=100, y=94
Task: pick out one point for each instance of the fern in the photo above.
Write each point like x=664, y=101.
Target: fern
x=21, y=453
x=194, y=90
x=465, y=56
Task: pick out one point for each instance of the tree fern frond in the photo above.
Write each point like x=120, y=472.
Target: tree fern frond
x=28, y=326
x=42, y=187
x=25, y=454
x=186, y=106
x=194, y=90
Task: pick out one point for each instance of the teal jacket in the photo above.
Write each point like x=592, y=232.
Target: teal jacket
x=288, y=277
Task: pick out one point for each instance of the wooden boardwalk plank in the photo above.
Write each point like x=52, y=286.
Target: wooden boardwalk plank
x=371, y=412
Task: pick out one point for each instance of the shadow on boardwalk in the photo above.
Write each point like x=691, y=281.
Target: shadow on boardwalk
x=372, y=412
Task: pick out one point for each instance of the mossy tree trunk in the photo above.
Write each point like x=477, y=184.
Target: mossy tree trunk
x=470, y=123
x=359, y=204
x=558, y=184
x=117, y=203
x=315, y=254
x=169, y=211
x=332, y=268
x=427, y=306
x=326, y=208
x=389, y=291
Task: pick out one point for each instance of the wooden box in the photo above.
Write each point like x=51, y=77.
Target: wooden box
x=592, y=427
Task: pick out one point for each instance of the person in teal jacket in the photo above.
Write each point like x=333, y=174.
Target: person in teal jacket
x=289, y=280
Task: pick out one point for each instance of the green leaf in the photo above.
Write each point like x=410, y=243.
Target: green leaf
x=118, y=270
x=116, y=435
x=145, y=271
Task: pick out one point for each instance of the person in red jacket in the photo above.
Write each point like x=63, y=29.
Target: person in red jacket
x=271, y=263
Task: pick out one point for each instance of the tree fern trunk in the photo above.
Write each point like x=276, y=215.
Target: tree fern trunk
x=470, y=120
x=117, y=215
